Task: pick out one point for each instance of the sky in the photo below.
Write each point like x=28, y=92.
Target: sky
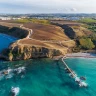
x=47, y=6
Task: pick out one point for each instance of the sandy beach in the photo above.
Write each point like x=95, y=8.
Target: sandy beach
x=81, y=55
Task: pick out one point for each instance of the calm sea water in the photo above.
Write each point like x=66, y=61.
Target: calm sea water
x=45, y=77
x=5, y=40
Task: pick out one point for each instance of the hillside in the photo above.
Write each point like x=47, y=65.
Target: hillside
x=13, y=30
x=72, y=29
x=46, y=40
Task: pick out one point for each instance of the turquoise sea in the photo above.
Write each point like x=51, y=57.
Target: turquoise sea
x=45, y=77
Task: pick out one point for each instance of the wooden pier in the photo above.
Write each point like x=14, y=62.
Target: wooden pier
x=71, y=72
x=77, y=79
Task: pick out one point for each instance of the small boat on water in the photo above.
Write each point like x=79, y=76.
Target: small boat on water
x=15, y=91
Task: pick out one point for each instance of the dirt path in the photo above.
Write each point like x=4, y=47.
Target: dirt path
x=29, y=36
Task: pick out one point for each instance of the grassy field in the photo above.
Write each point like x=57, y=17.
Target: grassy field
x=65, y=22
x=89, y=23
x=43, y=35
x=87, y=20
x=46, y=32
x=40, y=21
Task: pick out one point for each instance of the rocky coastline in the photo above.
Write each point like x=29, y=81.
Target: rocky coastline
x=17, y=51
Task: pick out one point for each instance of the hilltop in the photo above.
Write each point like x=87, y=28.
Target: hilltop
x=44, y=39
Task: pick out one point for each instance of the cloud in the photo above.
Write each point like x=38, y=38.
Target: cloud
x=47, y=6
x=73, y=9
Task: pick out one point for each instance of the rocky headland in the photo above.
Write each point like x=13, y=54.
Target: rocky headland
x=40, y=41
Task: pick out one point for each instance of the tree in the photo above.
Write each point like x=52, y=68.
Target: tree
x=86, y=43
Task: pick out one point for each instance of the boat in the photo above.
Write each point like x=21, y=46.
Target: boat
x=15, y=91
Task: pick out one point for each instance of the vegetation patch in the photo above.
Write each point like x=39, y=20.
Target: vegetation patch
x=86, y=43
x=40, y=21
x=91, y=23
x=88, y=20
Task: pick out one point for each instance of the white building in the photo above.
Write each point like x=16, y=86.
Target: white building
x=5, y=18
x=8, y=18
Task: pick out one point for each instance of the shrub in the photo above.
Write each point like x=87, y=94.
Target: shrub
x=86, y=43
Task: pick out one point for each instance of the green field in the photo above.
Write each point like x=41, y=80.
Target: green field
x=87, y=20
x=89, y=23
x=41, y=21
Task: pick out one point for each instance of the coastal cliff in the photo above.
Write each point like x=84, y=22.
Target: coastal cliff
x=36, y=41
x=16, y=32
x=23, y=52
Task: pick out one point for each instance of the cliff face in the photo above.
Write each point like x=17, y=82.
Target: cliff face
x=22, y=52
x=75, y=31
x=43, y=41
x=14, y=31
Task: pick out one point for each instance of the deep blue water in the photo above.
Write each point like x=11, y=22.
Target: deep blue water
x=5, y=41
x=45, y=77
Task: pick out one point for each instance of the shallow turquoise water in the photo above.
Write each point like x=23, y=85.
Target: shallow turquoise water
x=45, y=77
x=5, y=40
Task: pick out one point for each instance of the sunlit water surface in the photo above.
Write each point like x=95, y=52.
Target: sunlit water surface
x=45, y=77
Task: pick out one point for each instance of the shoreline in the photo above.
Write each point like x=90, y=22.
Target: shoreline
x=75, y=55
x=71, y=55
x=81, y=55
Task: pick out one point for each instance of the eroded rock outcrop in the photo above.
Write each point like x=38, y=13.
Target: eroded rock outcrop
x=23, y=52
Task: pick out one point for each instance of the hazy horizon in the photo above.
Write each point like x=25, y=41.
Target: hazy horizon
x=47, y=6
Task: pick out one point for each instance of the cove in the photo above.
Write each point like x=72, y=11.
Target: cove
x=5, y=41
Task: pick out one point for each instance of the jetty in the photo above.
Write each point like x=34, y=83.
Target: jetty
x=77, y=79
